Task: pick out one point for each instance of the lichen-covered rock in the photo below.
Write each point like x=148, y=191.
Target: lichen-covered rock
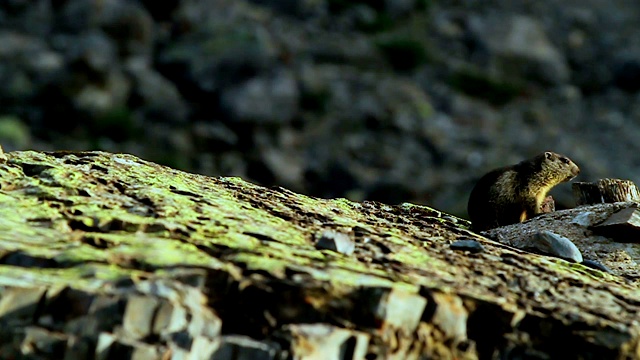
x=110, y=256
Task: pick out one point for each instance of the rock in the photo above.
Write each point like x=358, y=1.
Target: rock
x=127, y=23
x=159, y=98
x=618, y=190
x=401, y=310
x=336, y=241
x=91, y=53
x=596, y=265
x=450, y=316
x=244, y=348
x=45, y=343
x=214, y=136
x=273, y=99
x=139, y=316
x=97, y=100
x=92, y=315
x=31, y=17
x=605, y=191
x=214, y=251
x=556, y=245
x=79, y=348
x=323, y=341
x=471, y=246
x=521, y=48
x=28, y=64
x=20, y=305
x=169, y=319
x=583, y=219
x=623, y=225
x=111, y=347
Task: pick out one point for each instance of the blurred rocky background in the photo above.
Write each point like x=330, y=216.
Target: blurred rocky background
x=389, y=100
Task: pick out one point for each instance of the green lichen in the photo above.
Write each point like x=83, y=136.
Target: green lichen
x=88, y=219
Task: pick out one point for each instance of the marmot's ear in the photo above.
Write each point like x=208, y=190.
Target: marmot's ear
x=548, y=154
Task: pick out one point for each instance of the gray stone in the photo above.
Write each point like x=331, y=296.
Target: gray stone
x=126, y=22
x=270, y=99
x=32, y=17
x=471, y=246
x=92, y=49
x=556, y=245
x=99, y=99
x=583, y=219
x=596, y=265
x=160, y=98
x=521, y=46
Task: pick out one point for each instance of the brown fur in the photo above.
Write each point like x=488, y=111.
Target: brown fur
x=515, y=193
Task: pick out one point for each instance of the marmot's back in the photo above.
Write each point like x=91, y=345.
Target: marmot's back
x=515, y=193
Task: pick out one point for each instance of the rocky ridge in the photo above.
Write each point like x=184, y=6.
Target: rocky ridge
x=111, y=256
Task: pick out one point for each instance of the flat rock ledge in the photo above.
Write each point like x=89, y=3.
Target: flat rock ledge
x=107, y=256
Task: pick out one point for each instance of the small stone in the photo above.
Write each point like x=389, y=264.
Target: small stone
x=336, y=241
x=596, y=265
x=556, y=245
x=583, y=219
x=472, y=246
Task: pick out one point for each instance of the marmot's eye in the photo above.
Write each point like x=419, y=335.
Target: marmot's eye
x=564, y=160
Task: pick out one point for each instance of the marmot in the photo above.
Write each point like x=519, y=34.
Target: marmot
x=516, y=193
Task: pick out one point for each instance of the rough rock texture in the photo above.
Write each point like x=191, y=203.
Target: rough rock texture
x=389, y=100
x=109, y=255
x=607, y=233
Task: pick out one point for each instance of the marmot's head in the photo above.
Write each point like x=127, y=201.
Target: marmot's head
x=558, y=166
